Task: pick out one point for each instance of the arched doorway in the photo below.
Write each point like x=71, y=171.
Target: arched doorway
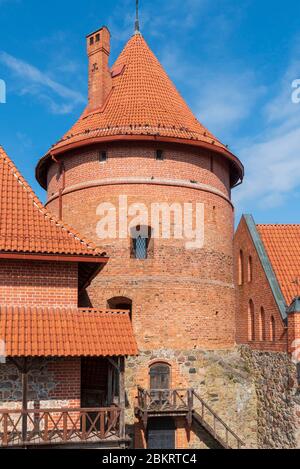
x=121, y=303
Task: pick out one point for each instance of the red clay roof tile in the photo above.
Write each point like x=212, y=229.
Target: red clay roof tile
x=26, y=226
x=282, y=243
x=143, y=102
x=45, y=332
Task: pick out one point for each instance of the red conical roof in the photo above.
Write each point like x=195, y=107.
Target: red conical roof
x=144, y=104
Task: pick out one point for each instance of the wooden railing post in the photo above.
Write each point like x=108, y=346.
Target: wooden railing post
x=46, y=431
x=83, y=426
x=65, y=426
x=122, y=397
x=24, y=372
x=5, y=430
x=190, y=399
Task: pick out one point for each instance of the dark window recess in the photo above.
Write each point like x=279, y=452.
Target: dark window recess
x=159, y=155
x=92, y=40
x=97, y=37
x=161, y=433
x=212, y=164
x=103, y=156
x=120, y=302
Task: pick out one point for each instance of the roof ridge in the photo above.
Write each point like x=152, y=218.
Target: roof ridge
x=279, y=225
x=39, y=205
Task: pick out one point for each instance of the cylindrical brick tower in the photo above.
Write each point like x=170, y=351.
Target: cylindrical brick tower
x=138, y=139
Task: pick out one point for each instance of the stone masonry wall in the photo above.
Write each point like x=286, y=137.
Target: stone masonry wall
x=277, y=398
x=221, y=378
x=254, y=392
x=52, y=383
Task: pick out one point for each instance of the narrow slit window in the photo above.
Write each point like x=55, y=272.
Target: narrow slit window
x=103, y=156
x=251, y=322
x=159, y=155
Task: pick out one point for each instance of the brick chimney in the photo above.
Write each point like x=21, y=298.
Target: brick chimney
x=294, y=327
x=100, y=80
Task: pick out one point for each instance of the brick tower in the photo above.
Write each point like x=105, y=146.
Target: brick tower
x=138, y=139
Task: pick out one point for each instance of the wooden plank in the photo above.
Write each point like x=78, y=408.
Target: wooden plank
x=24, y=372
x=122, y=397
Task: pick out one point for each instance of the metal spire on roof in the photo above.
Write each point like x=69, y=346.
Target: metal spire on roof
x=137, y=21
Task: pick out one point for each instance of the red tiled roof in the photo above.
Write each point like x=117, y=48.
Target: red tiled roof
x=65, y=332
x=26, y=226
x=282, y=243
x=143, y=102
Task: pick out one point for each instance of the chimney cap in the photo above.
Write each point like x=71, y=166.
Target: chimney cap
x=295, y=306
x=98, y=31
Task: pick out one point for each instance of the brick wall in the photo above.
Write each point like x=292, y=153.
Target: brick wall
x=27, y=283
x=258, y=290
x=133, y=160
x=181, y=298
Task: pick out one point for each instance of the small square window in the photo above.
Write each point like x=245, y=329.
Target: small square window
x=91, y=40
x=159, y=155
x=103, y=156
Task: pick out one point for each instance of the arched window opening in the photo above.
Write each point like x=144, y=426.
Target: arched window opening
x=120, y=302
x=251, y=323
x=241, y=268
x=160, y=376
x=250, y=267
x=272, y=329
x=262, y=325
x=141, y=242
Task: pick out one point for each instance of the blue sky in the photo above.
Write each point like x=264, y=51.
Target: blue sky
x=233, y=61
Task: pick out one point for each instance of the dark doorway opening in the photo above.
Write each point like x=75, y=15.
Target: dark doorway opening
x=120, y=302
x=94, y=377
x=161, y=433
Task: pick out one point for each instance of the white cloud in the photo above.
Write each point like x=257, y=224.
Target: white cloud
x=272, y=159
x=30, y=80
x=224, y=101
x=272, y=170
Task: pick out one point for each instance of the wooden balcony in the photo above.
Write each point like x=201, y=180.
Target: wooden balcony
x=185, y=402
x=70, y=426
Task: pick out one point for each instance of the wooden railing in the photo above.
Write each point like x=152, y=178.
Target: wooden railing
x=172, y=401
x=208, y=418
x=159, y=400
x=59, y=426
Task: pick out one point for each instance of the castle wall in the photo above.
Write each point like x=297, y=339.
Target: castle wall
x=181, y=298
x=37, y=283
x=259, y=291
x=220, y=377
x=52, y=383
x=277, y=391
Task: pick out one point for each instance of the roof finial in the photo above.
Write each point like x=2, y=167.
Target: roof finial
x=137, y=21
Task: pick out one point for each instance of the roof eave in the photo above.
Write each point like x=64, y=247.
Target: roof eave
x=41, y=168
x=53, y=257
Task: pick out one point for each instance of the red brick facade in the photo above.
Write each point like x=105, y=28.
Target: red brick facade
x=257, y=313
x=38, y=283
x=178, y=304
